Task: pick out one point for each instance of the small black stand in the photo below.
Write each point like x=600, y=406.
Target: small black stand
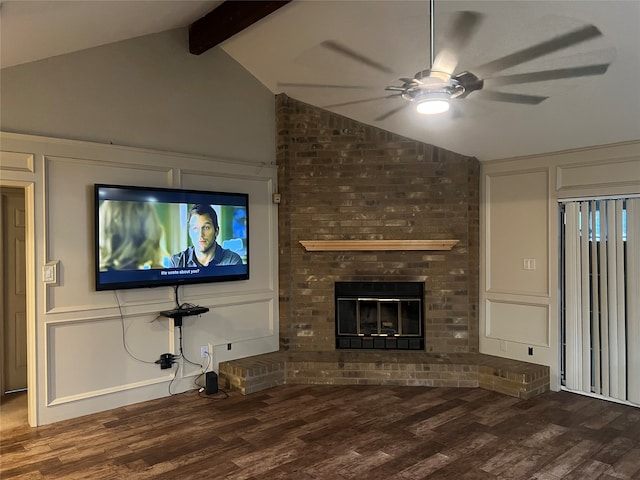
x=178, y=313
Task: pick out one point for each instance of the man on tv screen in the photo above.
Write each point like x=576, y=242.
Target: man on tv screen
x=202, y=223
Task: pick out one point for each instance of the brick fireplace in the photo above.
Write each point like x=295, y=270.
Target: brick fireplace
x=344, y=180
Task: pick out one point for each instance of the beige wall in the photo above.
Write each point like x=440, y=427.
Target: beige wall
x=146, y=92
x=519, y=223
x=149, y=92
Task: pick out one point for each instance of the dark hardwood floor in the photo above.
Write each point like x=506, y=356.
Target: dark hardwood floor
x=337, y=432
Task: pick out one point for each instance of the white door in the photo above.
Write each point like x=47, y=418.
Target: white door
x=14, y=345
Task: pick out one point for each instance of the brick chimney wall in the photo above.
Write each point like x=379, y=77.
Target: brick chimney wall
x=344, y=180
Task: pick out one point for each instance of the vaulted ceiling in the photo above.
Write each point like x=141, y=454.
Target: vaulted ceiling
x=340, y=55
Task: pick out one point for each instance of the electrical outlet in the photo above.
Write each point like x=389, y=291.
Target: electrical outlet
x=228, y=346
x=204, y=351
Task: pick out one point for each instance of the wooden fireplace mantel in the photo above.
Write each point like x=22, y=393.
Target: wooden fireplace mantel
x=369, y=245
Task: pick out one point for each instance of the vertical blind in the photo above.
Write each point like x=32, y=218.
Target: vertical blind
x=601, y=297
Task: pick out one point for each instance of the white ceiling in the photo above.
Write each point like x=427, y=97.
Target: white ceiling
x=286, y=47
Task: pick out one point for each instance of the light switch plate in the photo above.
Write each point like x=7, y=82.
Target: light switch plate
x=50, y=272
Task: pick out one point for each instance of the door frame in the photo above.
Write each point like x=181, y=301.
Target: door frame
x=2, y=290
x=30, y=260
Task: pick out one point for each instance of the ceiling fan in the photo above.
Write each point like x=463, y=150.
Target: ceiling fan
x=432, y=90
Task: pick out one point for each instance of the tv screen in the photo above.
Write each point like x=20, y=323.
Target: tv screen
x=149, y=237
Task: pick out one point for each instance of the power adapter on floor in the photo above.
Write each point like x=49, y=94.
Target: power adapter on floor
x=211, y=383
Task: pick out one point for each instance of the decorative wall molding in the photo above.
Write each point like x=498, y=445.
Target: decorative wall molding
x=516, y=211
x=526, y=323
x=60, y=336
x=107, y=391
x=623, y=171
x=20, y=162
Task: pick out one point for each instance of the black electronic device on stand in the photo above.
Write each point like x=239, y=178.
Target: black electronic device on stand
x=183, y=311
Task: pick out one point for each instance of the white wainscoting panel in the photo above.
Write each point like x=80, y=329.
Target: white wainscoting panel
x=263, y=242
x=69, y=226
x=516, y=322
x=88, y=358
x=624, y=171
x=517, y=229
x=20, y=162
x=243, y=322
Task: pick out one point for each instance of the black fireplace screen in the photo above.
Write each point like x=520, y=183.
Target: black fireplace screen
x=379, y=315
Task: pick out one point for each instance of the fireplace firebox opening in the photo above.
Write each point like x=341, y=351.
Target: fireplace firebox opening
x=379, y=315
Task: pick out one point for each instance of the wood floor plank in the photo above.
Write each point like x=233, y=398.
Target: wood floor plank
x=353, y=432
x=629, y=464
x=613, y=450
x=589, y=468
x=574, y=456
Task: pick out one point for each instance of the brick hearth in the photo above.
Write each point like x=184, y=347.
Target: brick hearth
x=510, y=377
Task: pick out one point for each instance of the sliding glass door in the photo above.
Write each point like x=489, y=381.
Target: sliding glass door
x=600, y=297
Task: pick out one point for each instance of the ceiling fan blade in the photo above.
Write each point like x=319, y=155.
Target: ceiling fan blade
x=462, y=29
x=443, y=65
x=548, y=75
x=510, y=97
x=544, y=48
x=457, y=37
x=406, y=84
x=323, y=85
x=353, y=55
x=365, y=100
x=384, y=116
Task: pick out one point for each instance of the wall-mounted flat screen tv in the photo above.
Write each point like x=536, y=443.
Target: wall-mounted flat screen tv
x=149, y=237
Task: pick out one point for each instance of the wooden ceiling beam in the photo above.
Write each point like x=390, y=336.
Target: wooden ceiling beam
x=227, y=19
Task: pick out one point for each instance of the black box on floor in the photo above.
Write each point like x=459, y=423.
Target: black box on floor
x=211, y=383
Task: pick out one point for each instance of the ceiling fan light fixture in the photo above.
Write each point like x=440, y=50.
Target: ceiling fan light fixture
x=432, y=103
